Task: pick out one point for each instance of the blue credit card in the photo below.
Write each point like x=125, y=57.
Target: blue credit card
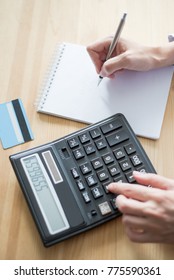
x=14, y=125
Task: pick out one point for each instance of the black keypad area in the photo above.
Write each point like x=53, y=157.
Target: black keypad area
x=69, y=194
x=103, y=153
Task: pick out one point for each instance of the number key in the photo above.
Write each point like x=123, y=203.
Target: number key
x=125, y=165
x=102, y=175
x=136, y=160
x=97, y=163
x=108, y=158
x=114, y=170
x=119, y=153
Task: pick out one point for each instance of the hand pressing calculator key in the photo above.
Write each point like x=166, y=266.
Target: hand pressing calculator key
x=65, y=181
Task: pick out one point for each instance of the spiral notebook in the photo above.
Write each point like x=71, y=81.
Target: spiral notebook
x=71, y=91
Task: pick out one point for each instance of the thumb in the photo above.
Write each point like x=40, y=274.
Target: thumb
x=112, y=65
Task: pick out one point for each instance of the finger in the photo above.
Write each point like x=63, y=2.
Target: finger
x=134, y=191
x=113, y=65
x=97, y=61
x=143, y=223
x=98, y=51
x=142, y=236
x=154, y=180
x=139, y=229
x=130, y=206
x=101, y=45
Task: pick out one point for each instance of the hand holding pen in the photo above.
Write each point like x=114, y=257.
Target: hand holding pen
x=114, y=42
x=99, y=56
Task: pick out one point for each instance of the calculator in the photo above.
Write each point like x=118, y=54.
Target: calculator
x=65, y=181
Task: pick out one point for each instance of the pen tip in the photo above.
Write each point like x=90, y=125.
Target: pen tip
x=99, y=81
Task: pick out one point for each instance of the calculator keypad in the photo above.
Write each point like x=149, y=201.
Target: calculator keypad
x=104, y=154
x=85, y=162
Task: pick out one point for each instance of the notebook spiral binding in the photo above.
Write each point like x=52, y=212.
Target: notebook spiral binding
x=49, y=76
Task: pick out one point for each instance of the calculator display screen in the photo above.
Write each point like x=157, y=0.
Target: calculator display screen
x=45, y=194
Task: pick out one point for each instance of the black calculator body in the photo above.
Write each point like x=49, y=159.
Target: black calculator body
x=65, y=181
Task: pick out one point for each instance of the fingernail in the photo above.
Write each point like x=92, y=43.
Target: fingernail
x=135, y=172
x=109, y=186
x=138, y=173
x=102, y=73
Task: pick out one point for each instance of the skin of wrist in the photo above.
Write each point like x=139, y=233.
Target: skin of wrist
x=163, y=55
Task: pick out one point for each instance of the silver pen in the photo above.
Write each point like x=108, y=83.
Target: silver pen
x=114, y=42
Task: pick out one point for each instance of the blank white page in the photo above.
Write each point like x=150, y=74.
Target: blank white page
x=72, y=92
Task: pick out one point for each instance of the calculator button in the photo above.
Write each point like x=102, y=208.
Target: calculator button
x=108, y=158
x=64, y=153
x=93, y=212
x=130, y=177
x=91, y=180
x=73, y=142
x=102, y=175
x=141, y=169
x=84, y=138
x=85, y=168
x=136, y=160
x=86, y=197
x=105, y=208
x=117, y=137
x=78, y=153
x=97, y=192
x=114, y=170
x=75, y=173
x=113, y=203
x=110, y=126
x=80, y=185
x=95, y=133
x=89, y=149
x=125, y=165
x=101, y=144
x=119, y=153
x=97, y=163
x=130, y=149
x=105, y=186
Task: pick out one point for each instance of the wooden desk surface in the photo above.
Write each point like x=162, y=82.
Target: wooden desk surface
x=29, y=32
